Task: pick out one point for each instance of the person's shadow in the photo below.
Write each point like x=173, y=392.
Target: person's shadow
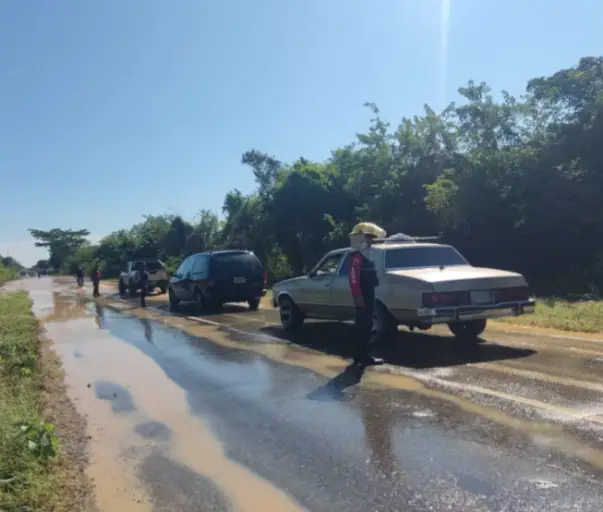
x=336, y=387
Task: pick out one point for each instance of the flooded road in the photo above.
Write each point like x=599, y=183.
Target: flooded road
x=222, y=412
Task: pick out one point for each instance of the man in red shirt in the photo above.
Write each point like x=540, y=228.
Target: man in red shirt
x=363, y=281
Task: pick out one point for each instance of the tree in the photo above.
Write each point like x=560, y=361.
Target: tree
x=61, y=243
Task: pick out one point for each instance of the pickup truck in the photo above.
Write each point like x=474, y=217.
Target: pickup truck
x=129, y=280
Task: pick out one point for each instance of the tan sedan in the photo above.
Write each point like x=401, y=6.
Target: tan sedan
x=421, y=284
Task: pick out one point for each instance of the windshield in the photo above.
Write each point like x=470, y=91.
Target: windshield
x=418, y=257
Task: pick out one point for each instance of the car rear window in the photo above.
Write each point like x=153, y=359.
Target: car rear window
x=417, y=257
x=152, y=266
x=236, y=263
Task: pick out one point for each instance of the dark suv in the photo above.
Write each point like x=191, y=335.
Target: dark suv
x=210, y=279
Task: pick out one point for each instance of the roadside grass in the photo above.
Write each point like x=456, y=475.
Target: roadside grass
x=29, y=479
x=564, y=315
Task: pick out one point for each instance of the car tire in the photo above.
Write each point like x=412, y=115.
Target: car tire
x=291, y=317
x=199, y=301
x=384, y=324
x=174, y=302
x=254, y=303
x=122, y=288
x=469, y=331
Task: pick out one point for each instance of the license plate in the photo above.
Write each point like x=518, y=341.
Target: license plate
x=481, y=297
x=239, y=280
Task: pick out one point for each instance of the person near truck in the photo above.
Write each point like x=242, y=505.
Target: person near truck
x=95, y=277
x=363, y=280
x=144, y=284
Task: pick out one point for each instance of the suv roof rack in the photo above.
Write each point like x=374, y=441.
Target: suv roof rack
x=404, y=238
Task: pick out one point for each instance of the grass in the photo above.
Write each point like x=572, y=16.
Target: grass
x=28, y=445
x=584, y=316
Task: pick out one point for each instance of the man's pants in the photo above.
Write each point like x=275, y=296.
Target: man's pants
x=143, y=294
x=364, y=328
x=95, y=292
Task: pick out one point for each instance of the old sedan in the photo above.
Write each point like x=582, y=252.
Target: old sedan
x=421, y=285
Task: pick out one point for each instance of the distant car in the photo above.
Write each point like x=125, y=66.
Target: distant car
x=210, y=279
x=129, y=280
x=421, y=285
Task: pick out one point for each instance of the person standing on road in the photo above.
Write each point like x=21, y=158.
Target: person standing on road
x=363, y=280
x=144, y=283
x=95, y=278
x=79, y=275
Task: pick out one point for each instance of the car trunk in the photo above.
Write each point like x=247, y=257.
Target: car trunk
x=463, y=278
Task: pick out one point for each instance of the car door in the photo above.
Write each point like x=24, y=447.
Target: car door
x=199, y=272
x=314, y=298
x=342, y=304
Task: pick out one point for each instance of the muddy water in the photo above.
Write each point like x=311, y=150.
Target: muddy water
x=147, y=450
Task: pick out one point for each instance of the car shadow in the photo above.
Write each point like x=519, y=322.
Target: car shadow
x=189, y=309
x=409, y=349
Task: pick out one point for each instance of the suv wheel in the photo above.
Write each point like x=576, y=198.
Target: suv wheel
x=254, y=303
x=468, y=332
x=172, y=300
x=291, y=317
x=384, y=324
x=122, y=288
x=199, y=301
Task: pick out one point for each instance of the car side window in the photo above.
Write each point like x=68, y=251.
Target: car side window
x=345, y=266
x=328, y=266
x=200, y=267
x=184, y=267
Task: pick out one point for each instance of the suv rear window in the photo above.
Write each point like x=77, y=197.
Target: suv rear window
x=418, y=257
x=152, y=265
x=241, y=263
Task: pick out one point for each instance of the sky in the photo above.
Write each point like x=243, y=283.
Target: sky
x=115, y=109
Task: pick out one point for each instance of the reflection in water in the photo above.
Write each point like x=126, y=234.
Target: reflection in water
x=148, y=329
x=65, y=308
x=99, y=318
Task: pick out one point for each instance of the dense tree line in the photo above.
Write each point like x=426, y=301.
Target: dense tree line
x=514, y=183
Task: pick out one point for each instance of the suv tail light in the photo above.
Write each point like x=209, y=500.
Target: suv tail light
x=513, y=294
x=440, y=299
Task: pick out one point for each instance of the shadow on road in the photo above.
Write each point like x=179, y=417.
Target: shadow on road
x=413, y=350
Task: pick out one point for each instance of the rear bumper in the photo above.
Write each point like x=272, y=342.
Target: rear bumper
x=238, y=295
x=474, y=312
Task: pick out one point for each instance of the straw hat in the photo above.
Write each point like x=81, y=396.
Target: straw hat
x=368, y=228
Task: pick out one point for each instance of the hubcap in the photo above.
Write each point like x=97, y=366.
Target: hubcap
x=286, y=313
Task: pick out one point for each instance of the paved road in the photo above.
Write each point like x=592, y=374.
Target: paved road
x=222, y=412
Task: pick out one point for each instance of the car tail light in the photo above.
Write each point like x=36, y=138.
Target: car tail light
x=439, y=299
x=513, y=294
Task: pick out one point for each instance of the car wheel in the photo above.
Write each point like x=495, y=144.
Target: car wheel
x=291, y=317
x=199, y=301
x=384, y=324
x=173, y=301
x=254, y=303
x=122, y=288
x=469, y=331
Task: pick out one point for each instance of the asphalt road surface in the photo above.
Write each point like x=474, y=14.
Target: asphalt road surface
x=224, y=412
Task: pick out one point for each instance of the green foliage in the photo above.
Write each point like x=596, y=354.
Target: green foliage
x=514, y=183
x=61, y=243
x=27, y=443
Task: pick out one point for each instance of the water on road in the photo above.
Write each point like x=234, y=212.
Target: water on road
x=223, y=412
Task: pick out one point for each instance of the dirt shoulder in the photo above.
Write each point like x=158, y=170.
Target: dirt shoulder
x=43, y=444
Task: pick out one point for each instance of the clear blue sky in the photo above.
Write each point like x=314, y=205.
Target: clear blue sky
x=117, y=108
